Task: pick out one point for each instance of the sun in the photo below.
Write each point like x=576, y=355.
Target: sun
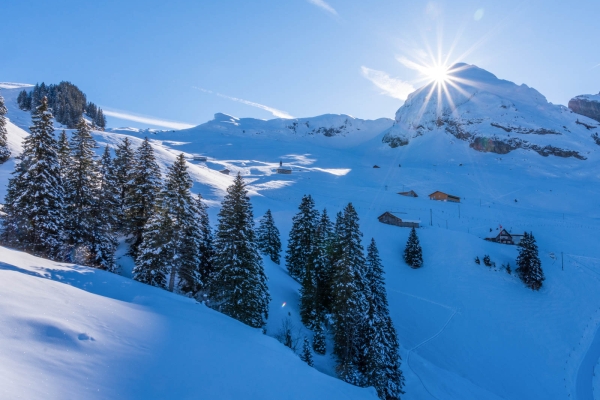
x=438, y=74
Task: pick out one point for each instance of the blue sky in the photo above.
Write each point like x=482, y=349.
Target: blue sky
x=183, y=61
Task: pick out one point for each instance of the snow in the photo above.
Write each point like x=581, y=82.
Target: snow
x=467, y=331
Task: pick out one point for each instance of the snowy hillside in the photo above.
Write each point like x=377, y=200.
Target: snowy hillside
x=72, y=332
x=492, y=115
x=467, y=331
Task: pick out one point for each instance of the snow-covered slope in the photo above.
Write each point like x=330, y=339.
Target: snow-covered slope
x=71, y=332
x=492, y=115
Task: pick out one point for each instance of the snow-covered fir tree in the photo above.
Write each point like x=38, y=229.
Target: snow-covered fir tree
x=267, y=236
x=123, y=165
x=306, y=354
x=34, y=203
x=319, y=344
x=326, y=240
x=155, y=252
x=529, y=264
x=144, y=186
x=239, y=284
x=105, y=219
x=413, y=254
x=81, y=183
x=177, y=199
x=206, y=245
x=4, y=150
x=350, y=304
x=301, y=238
x=379, y=357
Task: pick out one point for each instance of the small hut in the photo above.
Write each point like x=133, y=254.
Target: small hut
x=410, y=193
x=225, y=171
x=390, y=219
x=284, y=170
x=441, y=196
x=199, y=158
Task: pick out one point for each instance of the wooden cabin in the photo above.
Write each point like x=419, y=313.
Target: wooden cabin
x=284, y=170
x=410, y=193
x=441, y=196
x=390, y=219
x=225, y=171
x=506, y=238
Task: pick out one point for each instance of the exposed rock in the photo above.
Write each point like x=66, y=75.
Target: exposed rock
x=586, y=105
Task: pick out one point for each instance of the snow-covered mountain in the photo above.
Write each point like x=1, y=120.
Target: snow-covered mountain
x=467, y=331
x=492, y=115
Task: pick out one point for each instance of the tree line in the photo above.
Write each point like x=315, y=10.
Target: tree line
x=67, y=102
x=65, y=203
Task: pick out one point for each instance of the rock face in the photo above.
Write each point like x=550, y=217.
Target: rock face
x=587, y=105
x=492, y=115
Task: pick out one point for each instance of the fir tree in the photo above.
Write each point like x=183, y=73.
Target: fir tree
x=379, y=357
x=100, y=120
x=319, y=345
x=301, y=238
x=206, y=245
x=4, y=150
x=306, y=355
x=144, y=186
x=239, y=284
x=413, y=255
x=155, y=252
x=24, y=101
x=349, y=288
x=82, y=180
x=34, y=204
x=268, y=237
x=123, y=169
x=177, y=199
x=529, y=264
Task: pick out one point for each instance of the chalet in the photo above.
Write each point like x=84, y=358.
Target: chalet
x=506, y=238
x=284, y=170
x=410, y=193
x=390, y=219
x=225, y=171
x=441, y=196
x=199, y=158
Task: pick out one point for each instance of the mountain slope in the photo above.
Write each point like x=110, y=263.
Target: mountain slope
x=83, y=333
x=492, y=115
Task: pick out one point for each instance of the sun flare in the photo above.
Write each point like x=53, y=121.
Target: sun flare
x=438, y=74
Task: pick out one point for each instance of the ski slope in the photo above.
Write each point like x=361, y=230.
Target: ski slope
x=467, y=331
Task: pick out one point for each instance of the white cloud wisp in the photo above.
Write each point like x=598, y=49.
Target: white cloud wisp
x=276, y=113
x=147, y=120
x=392, y=87
x=323, y=5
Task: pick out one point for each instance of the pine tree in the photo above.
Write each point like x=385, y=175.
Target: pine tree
x=206, y=245
x=34, y=203
x=301, y=238
x=239, y=284
x=529, y=264
x=306, y=355
x=177, y=199
x=155, y=252
x=123, y=165
x=4, y=150
x=105, y=216
x=413, y=254
x=319, y=345
x=379, y=356
x=82, y=180
x=268, y=237
x=144, y=186
x=100, y=120
x=349, y=304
